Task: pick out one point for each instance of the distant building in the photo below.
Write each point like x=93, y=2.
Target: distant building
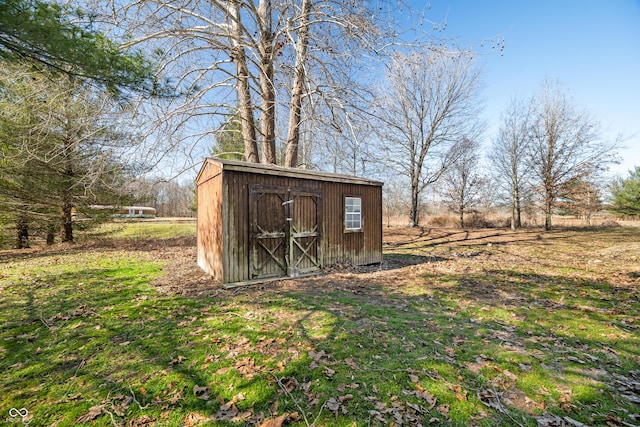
x=136, y=212
x=127, y=211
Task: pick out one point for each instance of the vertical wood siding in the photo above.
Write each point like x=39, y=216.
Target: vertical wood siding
x=227, y=219
x=210, y=222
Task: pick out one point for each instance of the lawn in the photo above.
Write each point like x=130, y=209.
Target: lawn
x=487, y=327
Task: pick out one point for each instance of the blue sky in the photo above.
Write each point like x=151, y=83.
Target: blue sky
x=591, y=47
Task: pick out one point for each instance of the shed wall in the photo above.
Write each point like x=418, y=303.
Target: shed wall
x=226, y=219
x=358, y=248
x=210, y=221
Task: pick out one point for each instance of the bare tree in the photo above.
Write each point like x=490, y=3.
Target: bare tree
x=508, y=156
x=245, y=110
x=463, y=184
x=395, y=199
x=430, y=102
x=565, y=146
x=582, y=198
x=275, y=58
x=298, y=86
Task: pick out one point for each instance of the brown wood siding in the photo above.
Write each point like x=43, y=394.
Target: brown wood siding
x=209, y=222
x=353, y=247
x=225, y=246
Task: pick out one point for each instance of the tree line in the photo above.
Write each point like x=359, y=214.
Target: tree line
x=96, y=96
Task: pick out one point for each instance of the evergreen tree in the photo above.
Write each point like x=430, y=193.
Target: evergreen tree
x=58, y=145
x=229, y=143
x=47, y=35
x=625, y=192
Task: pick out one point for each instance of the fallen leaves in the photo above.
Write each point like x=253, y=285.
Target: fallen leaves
x=228, y=411
x=201, y=392
x=407, y=321
x=551, y=420
x=629, y=386
x=93, y=413
x=247, y=367
x=491, y=398
x=279, y=420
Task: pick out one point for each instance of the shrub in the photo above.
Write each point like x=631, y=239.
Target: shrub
x=476, y=220
x=443, y=221
x=610, y=224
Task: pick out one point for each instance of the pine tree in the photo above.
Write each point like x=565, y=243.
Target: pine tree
x=626, y=194
x=229, y=143
x=58, y=146
x=46, y=35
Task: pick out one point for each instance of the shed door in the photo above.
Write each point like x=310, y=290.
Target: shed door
x=268, y=225
x=285, y=232
x=304, y=232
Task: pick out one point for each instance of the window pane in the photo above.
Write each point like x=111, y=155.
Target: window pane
x=353, y=213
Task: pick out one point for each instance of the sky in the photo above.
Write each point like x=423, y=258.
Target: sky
x=591, y=47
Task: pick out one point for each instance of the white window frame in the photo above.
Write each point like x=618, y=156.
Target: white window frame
x=352, y=213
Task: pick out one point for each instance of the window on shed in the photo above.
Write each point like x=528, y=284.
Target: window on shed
x=352, y=213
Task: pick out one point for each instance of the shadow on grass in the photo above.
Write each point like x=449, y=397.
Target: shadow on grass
x=101, y=337
x=407, y=238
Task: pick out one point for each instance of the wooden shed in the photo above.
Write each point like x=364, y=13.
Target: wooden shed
x=257, y=222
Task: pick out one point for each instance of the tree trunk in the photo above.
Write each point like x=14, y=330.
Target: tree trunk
x=518, y=217
x=297, y=91
x=67, y=200
x=548, y=209
x=245, y=108
x=22, y=232
x=51, y=234
x=267, y=88
x=414, y=220
x=515, y=208
x=67, y=222
x=461, y=212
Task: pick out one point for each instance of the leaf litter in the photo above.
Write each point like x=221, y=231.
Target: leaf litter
x=332, y=384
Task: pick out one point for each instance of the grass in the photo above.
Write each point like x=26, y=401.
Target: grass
x=144, y=230
x=534, y=326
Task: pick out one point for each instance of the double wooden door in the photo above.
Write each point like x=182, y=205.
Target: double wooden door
x=285, y=232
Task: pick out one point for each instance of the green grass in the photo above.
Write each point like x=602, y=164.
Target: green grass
x=487, y=339
x=144, y=230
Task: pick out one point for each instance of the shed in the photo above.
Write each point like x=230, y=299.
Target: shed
x=257, y=222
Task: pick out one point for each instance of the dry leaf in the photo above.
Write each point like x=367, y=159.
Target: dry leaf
x=345, y=398
x=549, y=420
x=193, y=418
x=93, y=413
x=201, y=392
x=350, y=363
x=275, y=422
x=427, y=397
x=444, y=410
x=176, y=361
x=510, y=375
x=492, y=399
x=328, y=372
x=333, y=405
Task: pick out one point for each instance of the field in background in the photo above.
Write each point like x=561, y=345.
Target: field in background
x=503, y=221
x=185, y=227
x=159, y=228
x=457, y=327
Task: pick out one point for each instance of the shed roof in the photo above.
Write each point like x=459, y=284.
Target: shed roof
x=259, y=168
